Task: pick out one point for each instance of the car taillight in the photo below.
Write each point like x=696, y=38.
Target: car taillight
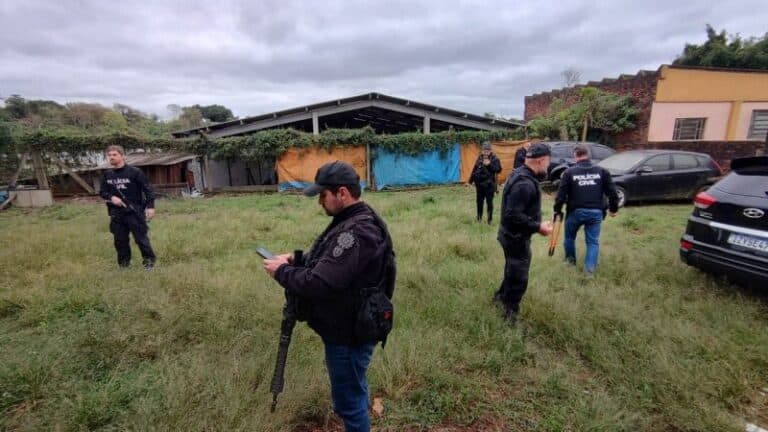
x=718, y=167
x=704, y=200
x=684, y=244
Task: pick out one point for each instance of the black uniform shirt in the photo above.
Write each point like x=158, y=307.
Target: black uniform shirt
x=483, y=175
x=132, y=184
x=585, y=185
x=520, y=205
x=347, y=257
x=520, y=157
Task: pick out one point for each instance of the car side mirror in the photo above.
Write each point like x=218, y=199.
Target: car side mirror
x=645, y=169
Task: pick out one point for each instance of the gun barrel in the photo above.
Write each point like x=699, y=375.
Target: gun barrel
x=278, y=377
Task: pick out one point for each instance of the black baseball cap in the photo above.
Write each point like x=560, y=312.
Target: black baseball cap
x=336, y=173
x=538, y=150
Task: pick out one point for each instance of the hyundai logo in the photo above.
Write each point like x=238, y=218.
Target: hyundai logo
x=753, y=213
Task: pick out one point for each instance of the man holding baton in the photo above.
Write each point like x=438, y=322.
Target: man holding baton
x=520, y=219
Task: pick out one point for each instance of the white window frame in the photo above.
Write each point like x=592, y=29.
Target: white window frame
x=699, y=128
x=753, y=133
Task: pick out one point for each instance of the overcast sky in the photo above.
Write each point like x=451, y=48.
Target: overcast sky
x=265, y=55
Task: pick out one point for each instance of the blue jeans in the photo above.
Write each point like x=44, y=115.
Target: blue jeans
x=347, y=366
x=591, y=220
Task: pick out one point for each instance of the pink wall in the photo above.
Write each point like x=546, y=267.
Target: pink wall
x=745, y=117
x=663, y=117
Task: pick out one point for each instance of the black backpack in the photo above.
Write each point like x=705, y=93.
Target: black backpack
x=376, y=313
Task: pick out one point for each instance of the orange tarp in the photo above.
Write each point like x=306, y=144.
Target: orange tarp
x=505, y=150
x=298, y=166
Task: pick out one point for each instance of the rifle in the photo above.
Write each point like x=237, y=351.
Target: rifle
x=290, y=316
x=557, y=223
x=128, y=205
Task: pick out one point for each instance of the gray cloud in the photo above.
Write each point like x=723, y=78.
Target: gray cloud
x=261, y=56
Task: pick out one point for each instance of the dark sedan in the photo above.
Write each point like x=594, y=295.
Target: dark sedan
x=653, y=175
x=727, y=233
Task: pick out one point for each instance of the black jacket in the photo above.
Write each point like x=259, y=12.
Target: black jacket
x=485, y=175
x=585, y=185
x=520, y=157
x=520, y=206
x=132, y=185
x=347, y=257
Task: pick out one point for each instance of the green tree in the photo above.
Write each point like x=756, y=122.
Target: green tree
x=113, y=121
x=215, y=113
x=595, y=110
x=726, y=51
x=16, y=106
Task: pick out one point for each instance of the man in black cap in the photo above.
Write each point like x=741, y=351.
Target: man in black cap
x=584, y=187
x=520, y=219
x=130, y=203
x=351, y=256
x=483, y=177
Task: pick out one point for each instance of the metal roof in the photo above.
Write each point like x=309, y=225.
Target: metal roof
x=367, y=100
x=146, y=159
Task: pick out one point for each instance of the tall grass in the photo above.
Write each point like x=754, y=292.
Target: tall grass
x=648, y=344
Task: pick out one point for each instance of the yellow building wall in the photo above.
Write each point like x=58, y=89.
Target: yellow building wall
x=696, y=85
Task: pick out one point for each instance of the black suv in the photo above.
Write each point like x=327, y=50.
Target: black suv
x=562, y=156
x=727, y=234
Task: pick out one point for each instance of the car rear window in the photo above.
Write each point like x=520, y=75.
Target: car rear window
x=747, y=182
x=684, y=161
x=704, y=161
x=601, y=152
x=562, y=152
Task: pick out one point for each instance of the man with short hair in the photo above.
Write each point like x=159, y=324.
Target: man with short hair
x=351, y=256
x=487, y=167
x=584, y=187
x=520, y=219
x=130, y=203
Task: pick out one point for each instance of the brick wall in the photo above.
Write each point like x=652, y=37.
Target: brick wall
x=641, y=88
x=722, y=151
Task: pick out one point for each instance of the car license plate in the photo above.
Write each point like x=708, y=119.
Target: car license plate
x=748, y=242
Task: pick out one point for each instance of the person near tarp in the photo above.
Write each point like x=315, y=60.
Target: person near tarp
x=520, y=219
x=350, y=258
x=584, y=188
x=484, y=173
x=520, y=154
x=130, y=203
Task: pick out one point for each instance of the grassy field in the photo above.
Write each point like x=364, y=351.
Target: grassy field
x=646, y=345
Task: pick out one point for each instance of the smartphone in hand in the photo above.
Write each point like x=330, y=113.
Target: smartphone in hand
x=264, y=253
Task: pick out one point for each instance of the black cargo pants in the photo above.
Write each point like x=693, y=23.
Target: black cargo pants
x=517, y=263
x=121, y=225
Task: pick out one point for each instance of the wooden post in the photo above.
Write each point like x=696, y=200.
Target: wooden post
x=15, y=177
x=42, y=177
x=77, y=178
x=368, y=166
x=7, y=202
x=206, y=175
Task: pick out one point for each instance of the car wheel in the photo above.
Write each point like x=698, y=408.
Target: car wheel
x=622, y=193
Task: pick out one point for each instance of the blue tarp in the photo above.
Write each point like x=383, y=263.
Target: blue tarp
x=392, y=169
x=298, y=185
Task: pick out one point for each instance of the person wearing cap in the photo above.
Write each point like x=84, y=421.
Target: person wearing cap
x=584, y=188
x=520, y=219
x=348, y=257
x=487, y=167
x=520, y=154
